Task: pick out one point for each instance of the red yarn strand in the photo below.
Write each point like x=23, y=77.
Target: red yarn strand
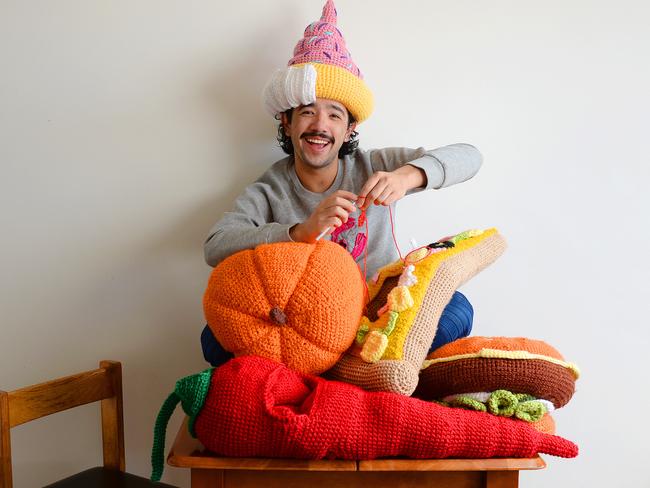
x=365, y=260
x=392, y=228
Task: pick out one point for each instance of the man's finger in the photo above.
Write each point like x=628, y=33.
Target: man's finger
x=346, y=205
x=377, y=192
x=369, y=185
x=348, y=195
x=383, y=196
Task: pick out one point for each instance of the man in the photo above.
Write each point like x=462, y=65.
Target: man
x=327, y=183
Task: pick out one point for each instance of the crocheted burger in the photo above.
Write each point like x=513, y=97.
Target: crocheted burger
x=486, y=364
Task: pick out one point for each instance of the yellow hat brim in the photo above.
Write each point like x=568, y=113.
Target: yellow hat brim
x=336, y=83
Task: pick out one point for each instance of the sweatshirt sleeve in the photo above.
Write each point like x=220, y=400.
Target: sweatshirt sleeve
x=444, y=166
x=246, y=226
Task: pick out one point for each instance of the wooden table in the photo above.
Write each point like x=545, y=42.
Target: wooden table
x=210, y=471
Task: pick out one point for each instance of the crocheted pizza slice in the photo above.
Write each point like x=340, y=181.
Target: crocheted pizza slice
x=406, y=301
x=516, y=364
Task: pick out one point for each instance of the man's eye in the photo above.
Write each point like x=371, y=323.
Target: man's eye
x=306, y=112
x=335, y=116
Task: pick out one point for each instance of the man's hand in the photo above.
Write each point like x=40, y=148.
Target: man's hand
x=385, y=188
x=331, y=213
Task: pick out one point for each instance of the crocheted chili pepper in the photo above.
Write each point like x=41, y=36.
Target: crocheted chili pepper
x=256, y=407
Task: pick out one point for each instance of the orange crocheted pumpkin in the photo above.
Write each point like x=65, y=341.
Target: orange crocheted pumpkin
x=299, y=304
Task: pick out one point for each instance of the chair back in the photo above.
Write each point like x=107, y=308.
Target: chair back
x=32, y=402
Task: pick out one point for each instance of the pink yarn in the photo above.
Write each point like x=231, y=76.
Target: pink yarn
x=324, y=43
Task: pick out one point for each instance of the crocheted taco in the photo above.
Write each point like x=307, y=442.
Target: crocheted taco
x=485, y=364
x=254, y=407
x=295, y=303
x=406, y=301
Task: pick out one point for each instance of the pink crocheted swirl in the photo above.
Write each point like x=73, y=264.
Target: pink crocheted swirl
x=324, y=43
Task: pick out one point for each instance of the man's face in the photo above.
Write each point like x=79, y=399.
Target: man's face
x=318, y=131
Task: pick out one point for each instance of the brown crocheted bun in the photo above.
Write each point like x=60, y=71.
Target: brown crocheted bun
x=517, y=364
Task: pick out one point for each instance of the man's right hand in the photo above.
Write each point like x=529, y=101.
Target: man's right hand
x=331, y=213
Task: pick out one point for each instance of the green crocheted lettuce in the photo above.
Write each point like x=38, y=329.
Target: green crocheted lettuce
x=503, y=403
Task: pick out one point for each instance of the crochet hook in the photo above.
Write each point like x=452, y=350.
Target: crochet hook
x=322, y=234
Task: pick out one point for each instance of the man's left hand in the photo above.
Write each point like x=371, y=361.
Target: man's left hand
x=386, y=187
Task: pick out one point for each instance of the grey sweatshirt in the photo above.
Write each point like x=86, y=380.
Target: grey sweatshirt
x=274, y=203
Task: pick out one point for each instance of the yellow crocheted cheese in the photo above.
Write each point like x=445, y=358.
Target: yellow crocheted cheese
x=501, y=354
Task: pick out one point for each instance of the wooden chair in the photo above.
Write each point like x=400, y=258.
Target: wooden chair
x=32, y=402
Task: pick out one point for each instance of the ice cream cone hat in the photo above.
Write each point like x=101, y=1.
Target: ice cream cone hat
x=321, y=67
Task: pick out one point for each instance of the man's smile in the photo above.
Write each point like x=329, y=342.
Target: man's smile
x=317, y=143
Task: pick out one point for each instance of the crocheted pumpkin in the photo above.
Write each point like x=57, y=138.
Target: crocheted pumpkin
x=406, y=301
x=295, y=303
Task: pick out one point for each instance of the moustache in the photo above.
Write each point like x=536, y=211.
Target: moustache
x=318, y=134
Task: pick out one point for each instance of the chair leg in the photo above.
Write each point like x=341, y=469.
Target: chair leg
x=5, y=442
x=113, y=419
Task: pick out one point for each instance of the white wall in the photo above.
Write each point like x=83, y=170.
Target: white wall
x=127, y=128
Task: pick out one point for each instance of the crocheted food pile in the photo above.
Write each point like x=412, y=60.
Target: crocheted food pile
x=296, y=303
x=291, y=310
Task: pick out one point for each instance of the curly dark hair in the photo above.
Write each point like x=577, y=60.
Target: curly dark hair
x=287, y=146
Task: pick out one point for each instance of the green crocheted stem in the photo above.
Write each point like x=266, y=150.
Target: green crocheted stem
x=469, y=403
x=530, y=411
x=159, y=432
x=502, y=402
x=191, y=392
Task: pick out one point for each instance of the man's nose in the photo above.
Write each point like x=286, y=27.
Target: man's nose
x=319, y=122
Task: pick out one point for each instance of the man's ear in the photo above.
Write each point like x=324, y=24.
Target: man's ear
x=286, y=125
x=351, y=128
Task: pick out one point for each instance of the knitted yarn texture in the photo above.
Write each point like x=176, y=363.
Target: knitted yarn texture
x=546, y=425
x=501, y=402
x=406, y=302
x=260, y=408
x=321, y=67
x=516, y=364
x=295, y=303
x=191, y=392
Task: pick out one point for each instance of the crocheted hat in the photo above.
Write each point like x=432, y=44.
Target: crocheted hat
x=321, y=67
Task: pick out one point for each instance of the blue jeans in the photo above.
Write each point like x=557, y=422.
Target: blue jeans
x=455, y=322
